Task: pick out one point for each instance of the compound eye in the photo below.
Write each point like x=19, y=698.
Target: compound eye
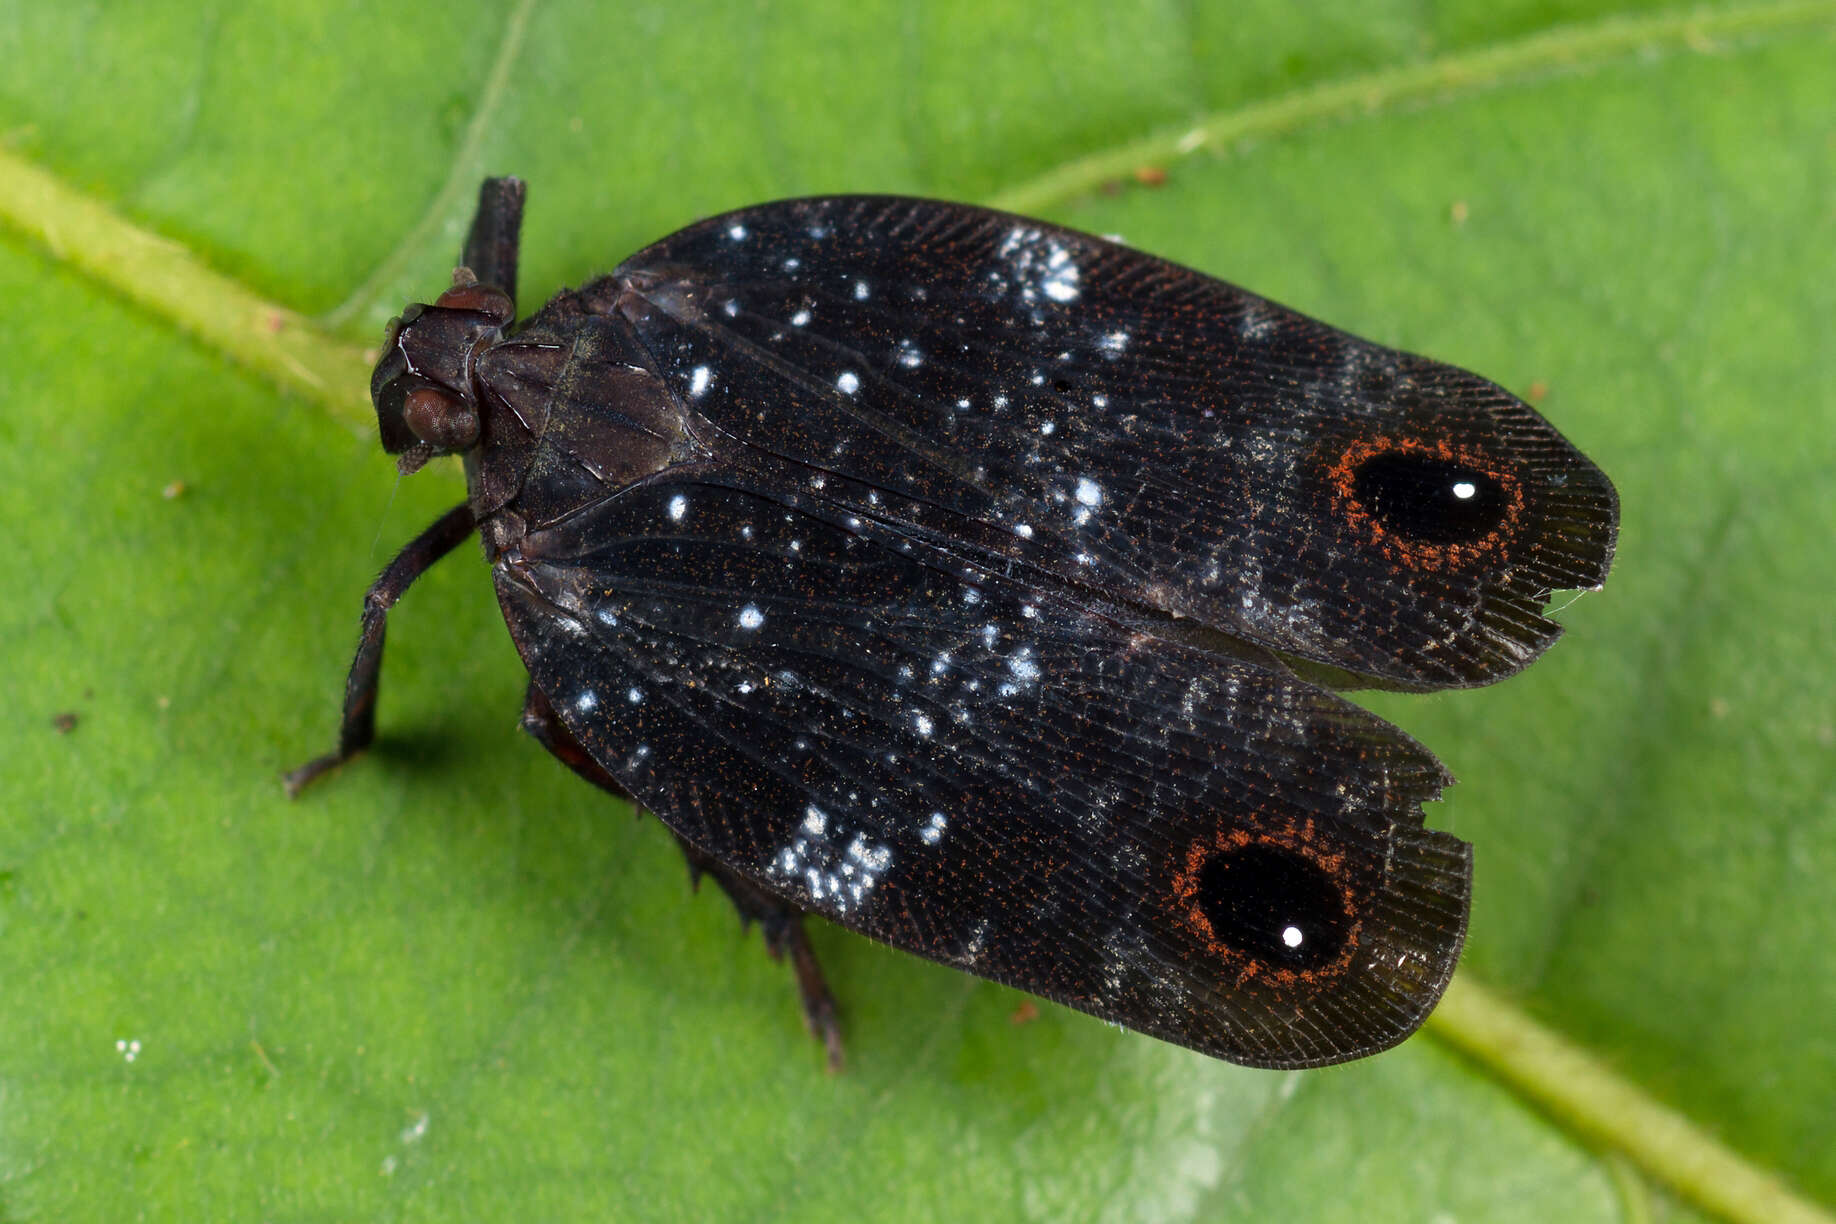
x=440, y=420
x=487, y=300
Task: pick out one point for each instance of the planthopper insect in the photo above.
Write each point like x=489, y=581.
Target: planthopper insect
x=980, y=585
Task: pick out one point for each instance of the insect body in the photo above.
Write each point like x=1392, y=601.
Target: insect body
x=979, y=585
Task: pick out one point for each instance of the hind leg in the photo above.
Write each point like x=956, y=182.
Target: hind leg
x=780, y=923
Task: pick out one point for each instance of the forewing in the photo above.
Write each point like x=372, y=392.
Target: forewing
x=993, y=776
x=1131, y=425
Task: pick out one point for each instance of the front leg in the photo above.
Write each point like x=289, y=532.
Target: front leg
x=358, y=728
x=780, y=922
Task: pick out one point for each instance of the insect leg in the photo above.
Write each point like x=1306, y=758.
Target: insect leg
x=541, y=721
x=358, y=727
x=491, y=244
x=781, y=924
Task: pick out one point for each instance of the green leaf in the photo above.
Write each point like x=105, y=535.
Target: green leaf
x=453, y=982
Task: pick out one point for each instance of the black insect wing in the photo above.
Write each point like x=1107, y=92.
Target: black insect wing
x=946, y=574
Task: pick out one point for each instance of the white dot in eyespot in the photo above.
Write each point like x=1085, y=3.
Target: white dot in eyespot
x=698, y=382
x=849, y=382
x=678, y=507
x=1292, y=936
x=1465, y=490
x=750, y=617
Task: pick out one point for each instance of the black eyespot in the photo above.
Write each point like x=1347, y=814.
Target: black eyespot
x=1427, y=498
x=1274, y=906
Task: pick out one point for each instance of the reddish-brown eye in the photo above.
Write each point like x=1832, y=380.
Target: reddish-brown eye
x=483, y=298
x=441, y=421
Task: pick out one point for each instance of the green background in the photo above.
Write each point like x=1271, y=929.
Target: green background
x=454, y=983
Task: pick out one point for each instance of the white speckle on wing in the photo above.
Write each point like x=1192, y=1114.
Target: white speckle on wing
x=1023, y=531
x=933, y=831
x=1061, y=284
x=1114, y=342
x=699, y=380
x=860, y=290
x=750, y=617
x=1038, y=264
x=678, y=508
x=849, y=382
x=800, y=318
x=634, y=695
x=736, y=232
x=838, y=867
x=1089, y=492
x=924, y=724
x=1023, y=665
x=587, y=701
